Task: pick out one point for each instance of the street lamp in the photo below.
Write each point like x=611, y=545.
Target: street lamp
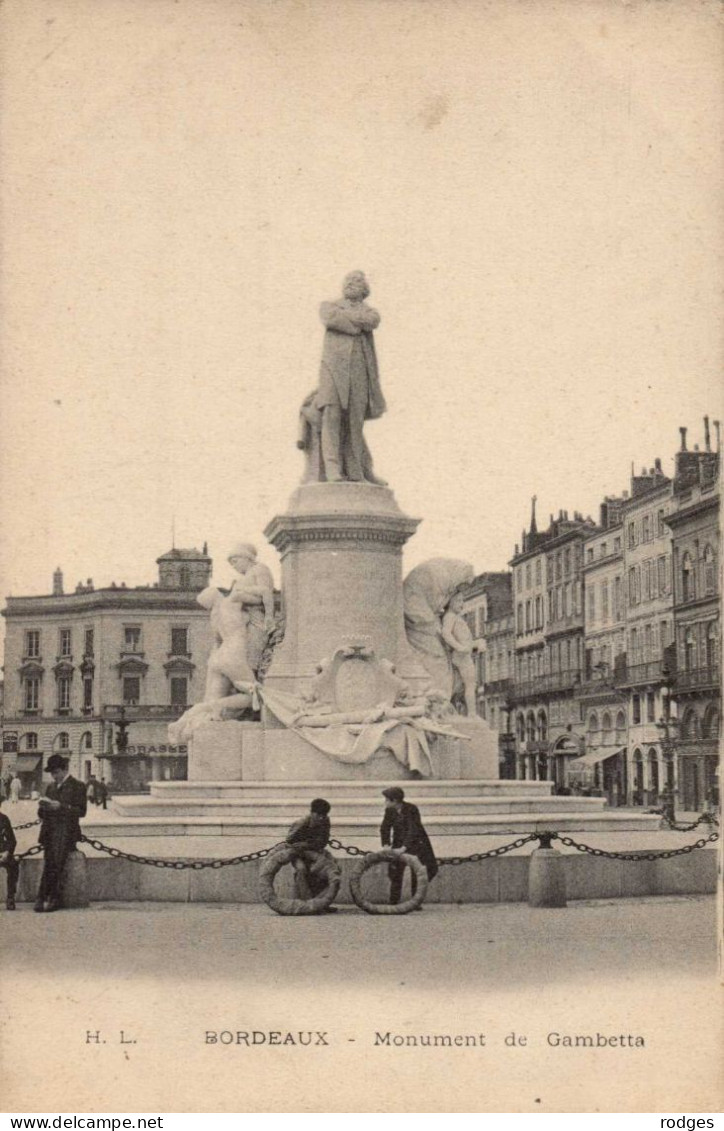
x=667, y=727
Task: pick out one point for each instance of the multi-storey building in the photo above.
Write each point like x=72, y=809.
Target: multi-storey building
x=603, y=705
x=488, y=599
x=694, y=523
x=78, y=663
x=548, y=598
x=649, y=631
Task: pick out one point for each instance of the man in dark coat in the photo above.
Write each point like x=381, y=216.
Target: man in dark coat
x=8, y=861
x=60, y=811
x=311, y=832
x=402, y=829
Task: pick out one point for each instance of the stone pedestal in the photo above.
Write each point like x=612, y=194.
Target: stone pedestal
x=341, y=553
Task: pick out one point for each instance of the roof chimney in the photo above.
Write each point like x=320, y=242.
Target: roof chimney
x=707, y=436
x=89, y=583
x=683, y=439
x=206, y=548
x=716, y=429
x=533, y=527
x=58, y=583
x=657, y=466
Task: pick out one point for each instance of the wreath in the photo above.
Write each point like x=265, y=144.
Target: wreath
x=324, y=865
x=387, y=856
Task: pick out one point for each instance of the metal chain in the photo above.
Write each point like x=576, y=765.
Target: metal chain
x=353, y=850
x=663, y=855
x=704, y=819
x=178, y=865
x=500, y=851
x=27, y=825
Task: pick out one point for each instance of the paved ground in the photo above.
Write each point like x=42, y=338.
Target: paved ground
x=167, y=974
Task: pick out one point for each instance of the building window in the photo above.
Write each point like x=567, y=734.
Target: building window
x=132, y=638
x=539, y=612
x=527, y=576
x=184, y=577
x=179, y=691
x=131, y=690
x=592, y=603
x=688, y=588
x=30, y=741
x=519, y=618
x=87, y=741
x=87, y=694
x=567, y=563
x=620, y=727
x=636, y=709
x=660, y=528
x=712, y=645
x=689, y=650
x=63, y=740
x=542, y=727
x=88, y=646
x=650, y=707
x=64, y=693
x=606, y=729
x=31, y=693
x=589, y=555
x=537, y=571
x=64, y=642
x=710, y=725
x=690, y=724
x=709, y=571
x=32, y=644
x=646, y=529
x=631, y=536
x=530, y=727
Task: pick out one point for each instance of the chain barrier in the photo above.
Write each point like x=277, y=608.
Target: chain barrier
x=27, y=825
x=177, y=865
x=704, y=819
x=664, y=854
x=544, y=838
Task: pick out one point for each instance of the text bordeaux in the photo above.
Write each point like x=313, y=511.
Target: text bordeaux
x=270, y=1037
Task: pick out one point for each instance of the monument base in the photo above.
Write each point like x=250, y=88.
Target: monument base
x=235, y=751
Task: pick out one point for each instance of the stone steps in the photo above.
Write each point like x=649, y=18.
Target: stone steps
x=304, y=791
x=343, y=806
x=270, y=824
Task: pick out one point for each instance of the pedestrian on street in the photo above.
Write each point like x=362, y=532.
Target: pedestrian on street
x=15, y=786
x=91, y=789
x=8, y=860
x=311, y=832
x=102, y=793
x=403, y=831
x=60, y=811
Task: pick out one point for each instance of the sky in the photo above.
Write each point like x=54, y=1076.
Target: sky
x=534, y=192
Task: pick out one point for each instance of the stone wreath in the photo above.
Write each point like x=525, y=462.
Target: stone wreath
x=325, y=866
x=387, y=856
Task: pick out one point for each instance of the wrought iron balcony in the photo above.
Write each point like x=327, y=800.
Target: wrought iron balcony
x=133, y=711
x=698, y=677
x=634, y=675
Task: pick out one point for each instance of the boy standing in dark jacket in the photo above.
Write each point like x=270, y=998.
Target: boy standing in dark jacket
x=402, y=829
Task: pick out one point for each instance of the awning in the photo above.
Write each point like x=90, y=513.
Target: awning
x=27, y=763
x=592, y=758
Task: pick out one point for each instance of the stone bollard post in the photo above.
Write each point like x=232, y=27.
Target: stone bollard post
x=546, y=878
x=74, y=887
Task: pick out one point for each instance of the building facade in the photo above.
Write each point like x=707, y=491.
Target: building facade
x=644, y=676
x=489, y=600
x=696, y=685
x=77, y=664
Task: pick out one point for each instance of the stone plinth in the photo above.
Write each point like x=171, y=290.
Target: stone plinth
x=341, y=552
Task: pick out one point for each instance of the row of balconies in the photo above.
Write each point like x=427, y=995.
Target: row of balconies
x=113, y=711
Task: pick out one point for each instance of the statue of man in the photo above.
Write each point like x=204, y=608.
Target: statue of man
x=349, y=387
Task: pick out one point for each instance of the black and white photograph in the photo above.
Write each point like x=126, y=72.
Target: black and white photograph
x=360, y=564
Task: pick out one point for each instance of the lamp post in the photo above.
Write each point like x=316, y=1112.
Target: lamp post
x=667, y=727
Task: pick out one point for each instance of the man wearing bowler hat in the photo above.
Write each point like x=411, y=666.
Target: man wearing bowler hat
x=403, y=830
x=60, y=812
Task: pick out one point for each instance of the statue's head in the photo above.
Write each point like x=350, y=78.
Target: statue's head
x=355, y=285
x=242, y=556
x=456, y=604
